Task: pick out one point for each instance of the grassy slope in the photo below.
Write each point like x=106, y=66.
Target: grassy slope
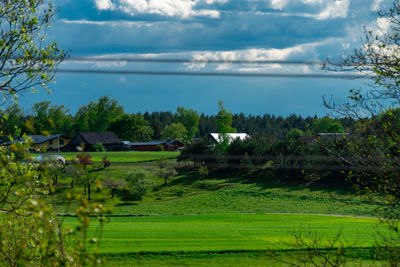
x=185, y=194
x=187, y=217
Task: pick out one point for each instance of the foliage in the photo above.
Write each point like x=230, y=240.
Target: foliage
x=97, y=116
x=144, y=127
x=131, y=127
x=378, y=54
x=224, y=120
x=294, y=133
x=98, y=147
x=27, y=59
x=159, y=148
x=165, y=172
x=203, y=173
x=113, y=185
x=138, y=183
x=190, y=119
x=12, y=122
x=175, y=131
x=51, y=119
x=326, y=125
x=106, y=162
x=30, y=232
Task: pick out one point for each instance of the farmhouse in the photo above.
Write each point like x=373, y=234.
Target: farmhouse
x=154, y=145
x=218, y=138
x=52, y=142
x=87, y=140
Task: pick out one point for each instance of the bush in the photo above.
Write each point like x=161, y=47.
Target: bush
x=138, y=183
x=98, y=147
x=159, y=148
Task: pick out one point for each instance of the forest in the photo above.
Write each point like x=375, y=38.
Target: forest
x=107, y=114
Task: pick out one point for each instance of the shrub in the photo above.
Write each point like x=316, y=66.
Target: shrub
x=159, y=148
x=138, y=183
x=98, y=147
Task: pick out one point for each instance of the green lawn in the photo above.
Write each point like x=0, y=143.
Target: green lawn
x=125, y=156
x=226, y=232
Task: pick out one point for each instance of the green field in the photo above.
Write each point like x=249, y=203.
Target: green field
x=126, y=156
x=226, y=232
x=222, y=221
x=213, y=239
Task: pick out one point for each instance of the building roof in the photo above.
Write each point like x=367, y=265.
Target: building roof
x=217, y=137
x=106, y=138
x=37, y=139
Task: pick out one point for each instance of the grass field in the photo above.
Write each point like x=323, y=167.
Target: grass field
x=226, y=232
x=214, y=239
x=126, y=156
x=226, y=220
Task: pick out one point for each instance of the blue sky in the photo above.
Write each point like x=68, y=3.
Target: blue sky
x=207, y=29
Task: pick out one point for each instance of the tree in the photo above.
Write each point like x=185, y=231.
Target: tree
x=31, y=233
x=224, y=120
x=27, y=59
x=326, y=125
x=165, y=172
x=294, y=133
x=113, y=185
x=51, y=119
x=138, y=183
x=97, y=116
x=12, y=121
x=190, y=119
x=174, y=131
x=378, y=54
x=131, y=127
x=203, y=173
x=375, y=158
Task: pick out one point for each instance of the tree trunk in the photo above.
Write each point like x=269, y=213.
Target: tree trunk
x=88, y=187
x=165, y=180
x=112, y=192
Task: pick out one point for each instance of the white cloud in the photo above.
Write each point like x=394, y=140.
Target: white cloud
x=279, y=4
x=382, y=26
x=170, y=8
x=376, y=5
x=251, y=55
x=104, y=4
x=328, y=8
x=335, y=9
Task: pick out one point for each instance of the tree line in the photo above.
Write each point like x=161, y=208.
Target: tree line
x=107, y=114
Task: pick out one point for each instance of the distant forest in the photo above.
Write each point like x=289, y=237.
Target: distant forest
x=107, y=115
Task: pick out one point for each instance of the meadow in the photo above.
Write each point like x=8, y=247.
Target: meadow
x=224, y=220
x=126, y=156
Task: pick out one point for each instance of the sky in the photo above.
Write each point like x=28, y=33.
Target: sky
x=208, y=30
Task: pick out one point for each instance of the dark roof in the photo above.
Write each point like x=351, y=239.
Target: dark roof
x=38, y=139
x=106, y=138
x=154, y=143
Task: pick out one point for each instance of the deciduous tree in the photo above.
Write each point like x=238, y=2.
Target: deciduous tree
x=27, y=59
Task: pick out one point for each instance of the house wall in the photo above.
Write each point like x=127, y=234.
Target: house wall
x=54, y=144
x=144, y=148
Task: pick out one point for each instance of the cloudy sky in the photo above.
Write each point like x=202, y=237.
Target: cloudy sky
x=213, y=30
